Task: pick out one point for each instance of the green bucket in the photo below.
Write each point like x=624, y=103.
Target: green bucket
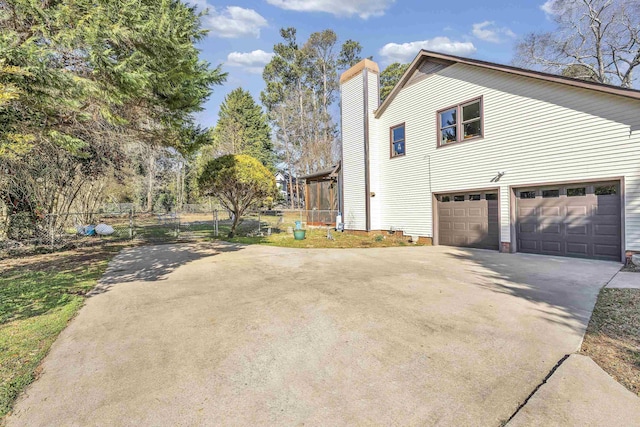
x=299, y=234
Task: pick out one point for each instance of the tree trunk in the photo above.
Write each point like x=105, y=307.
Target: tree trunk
x=234, y=225
x=291, y=189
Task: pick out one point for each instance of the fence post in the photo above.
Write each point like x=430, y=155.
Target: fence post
x=131, y=224
x=215, y=222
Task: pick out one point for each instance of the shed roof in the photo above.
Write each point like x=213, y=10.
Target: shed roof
x=330, y=171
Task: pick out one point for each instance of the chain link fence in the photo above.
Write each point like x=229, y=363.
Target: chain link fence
x=22, y=233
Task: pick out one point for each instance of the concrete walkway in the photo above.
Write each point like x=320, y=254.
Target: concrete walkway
x=232, y=335
x=580, y=393
x=625, y=280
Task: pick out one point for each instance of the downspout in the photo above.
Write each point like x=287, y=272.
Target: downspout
x=340, y=180
x=367, y=190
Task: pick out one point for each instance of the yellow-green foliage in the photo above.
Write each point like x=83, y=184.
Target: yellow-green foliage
x=239, y=181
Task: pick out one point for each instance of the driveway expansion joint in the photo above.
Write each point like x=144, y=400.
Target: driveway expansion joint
x=535, y=390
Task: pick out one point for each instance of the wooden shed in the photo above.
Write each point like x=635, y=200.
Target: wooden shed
x=322, y=196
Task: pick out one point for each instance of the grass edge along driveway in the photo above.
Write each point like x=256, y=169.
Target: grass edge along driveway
x=39, y=295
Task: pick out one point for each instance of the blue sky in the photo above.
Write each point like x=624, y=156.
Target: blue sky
x=242, y=33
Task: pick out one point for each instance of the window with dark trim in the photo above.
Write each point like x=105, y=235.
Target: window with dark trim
x=576, y=192
x=445, y=199
x=491, y=196
x=461, y=122
x=605, y=190
x=527, y=194
x=546, y=194
x=396, y=135
x=474, y=196
x=458, y=198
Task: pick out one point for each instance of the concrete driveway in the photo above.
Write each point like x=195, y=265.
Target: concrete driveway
x=221, y=335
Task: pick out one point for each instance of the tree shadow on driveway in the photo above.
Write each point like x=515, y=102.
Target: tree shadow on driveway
x=155, y=263
x=563, y=289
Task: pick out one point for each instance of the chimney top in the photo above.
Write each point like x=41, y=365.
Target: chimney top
x=357, y=69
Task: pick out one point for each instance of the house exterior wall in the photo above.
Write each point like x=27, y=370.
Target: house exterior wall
x=536, y=131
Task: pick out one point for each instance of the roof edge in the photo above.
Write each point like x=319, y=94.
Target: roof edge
x=539, y=75
x=330, y=171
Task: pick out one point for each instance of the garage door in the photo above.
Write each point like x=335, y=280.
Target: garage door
x=580, y=220
x=468, y=219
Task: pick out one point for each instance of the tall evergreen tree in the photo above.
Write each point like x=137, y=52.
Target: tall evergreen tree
x=81, y=79
x=243, y=128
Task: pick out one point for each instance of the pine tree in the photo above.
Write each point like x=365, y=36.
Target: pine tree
x=243, y=128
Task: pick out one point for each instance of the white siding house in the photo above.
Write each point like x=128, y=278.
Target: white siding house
x=550, y=165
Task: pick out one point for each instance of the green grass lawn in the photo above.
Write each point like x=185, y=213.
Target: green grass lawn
x=317, y=238
x=38, y=297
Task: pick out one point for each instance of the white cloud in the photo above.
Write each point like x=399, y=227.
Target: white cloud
x=405, y=52
x=549, y=7
x=252, y=62
x=232, y=21
x=488, y=31
x=362, y=8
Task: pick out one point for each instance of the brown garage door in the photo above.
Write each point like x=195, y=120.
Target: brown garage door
x=580, y=220
x=468, y=219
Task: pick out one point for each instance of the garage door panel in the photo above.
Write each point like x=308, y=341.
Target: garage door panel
x=546, y=211
x=577, y=230
x=446, y=241
x=606, y=230
x=476, y=226
x=580, y=224
x=550, y=228
x=475, y=212
x=526, y=211
x=460, y=212
x=459, y=240
x=531, y=245
x=460, y=226
x=554, y=247
x=576, y=211
x=606, y=250
x=574, y=248
x=527, y=227
x=607, y=210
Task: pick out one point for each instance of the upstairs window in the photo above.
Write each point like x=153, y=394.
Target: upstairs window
x=460, y=123
x=397, y=140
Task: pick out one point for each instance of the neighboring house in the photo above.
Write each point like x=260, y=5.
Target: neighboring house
x=470, y=153
x=282, y=183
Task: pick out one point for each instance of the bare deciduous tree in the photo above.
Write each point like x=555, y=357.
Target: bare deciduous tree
x=598, y=40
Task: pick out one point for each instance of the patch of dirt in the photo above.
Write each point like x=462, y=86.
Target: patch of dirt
x=613, y=336
x=56, y=261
